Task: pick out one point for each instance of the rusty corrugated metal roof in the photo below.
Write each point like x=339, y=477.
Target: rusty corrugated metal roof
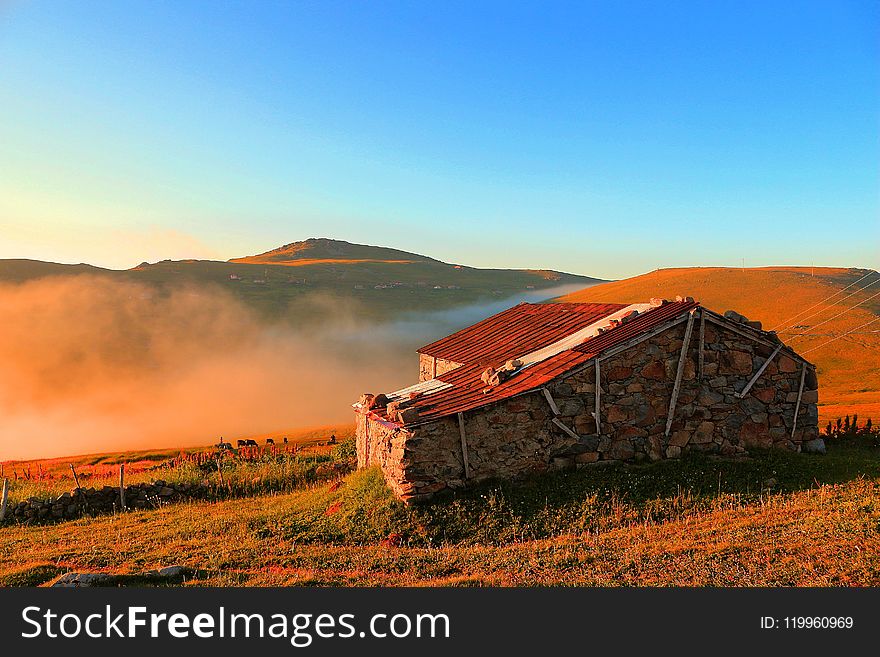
x=517, y=331
x=466, y=391
x=595, y=346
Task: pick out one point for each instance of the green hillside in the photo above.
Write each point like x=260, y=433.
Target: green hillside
x=379, y=282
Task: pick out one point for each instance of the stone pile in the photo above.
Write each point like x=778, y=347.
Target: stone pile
x=94, y=501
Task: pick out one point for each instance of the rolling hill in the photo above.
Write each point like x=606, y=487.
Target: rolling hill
x=381, y=282
x=802, y=304
x=320, y=249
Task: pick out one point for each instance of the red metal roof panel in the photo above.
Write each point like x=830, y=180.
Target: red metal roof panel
x=517, y=331
x=467, y=391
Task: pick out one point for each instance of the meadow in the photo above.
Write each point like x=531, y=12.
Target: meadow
x=248, y=471
x=772, y=519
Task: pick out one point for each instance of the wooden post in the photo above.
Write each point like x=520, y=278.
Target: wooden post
x=75, y=478
x=5, y=499
x=122, y=487
x=551, y=401
x=597, y=414
x=562, y=426
x=679, y=372
x=760, y=371
x=433, y=367
x=797, y=406
x=464, y=449
x=702, y=342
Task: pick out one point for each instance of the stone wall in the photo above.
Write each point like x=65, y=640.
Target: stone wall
x=381, y=443
x=427, y=367
x=637, y=385
x=516, y=436
x=94, y=501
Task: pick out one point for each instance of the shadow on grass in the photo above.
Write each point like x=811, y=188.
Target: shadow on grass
x=601, y=497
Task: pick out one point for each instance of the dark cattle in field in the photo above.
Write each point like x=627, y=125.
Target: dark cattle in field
x=270, y=441
x=250, y=443
x=224, y=445
x=241, y=443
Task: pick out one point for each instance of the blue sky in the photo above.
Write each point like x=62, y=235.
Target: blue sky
x=600, y=138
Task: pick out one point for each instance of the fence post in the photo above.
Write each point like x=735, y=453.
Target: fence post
x=122, y=486
x=78, y=487
x=75, y=478
x=5, y=499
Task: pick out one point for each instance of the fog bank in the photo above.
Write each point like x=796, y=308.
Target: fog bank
x=88, y=364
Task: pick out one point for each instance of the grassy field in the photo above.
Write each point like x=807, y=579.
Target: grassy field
x=849, y=376
x=775, y=519
x=268, y=468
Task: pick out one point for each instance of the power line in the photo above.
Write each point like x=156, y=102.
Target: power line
x=826, y=335
x=876, y=294
x=799, y=316
x=876, y=319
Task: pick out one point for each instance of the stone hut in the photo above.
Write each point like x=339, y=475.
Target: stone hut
x=563, y=385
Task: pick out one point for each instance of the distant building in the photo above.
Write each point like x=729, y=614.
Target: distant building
x=551, y=386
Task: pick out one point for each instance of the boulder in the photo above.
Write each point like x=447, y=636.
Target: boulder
x=815, y=446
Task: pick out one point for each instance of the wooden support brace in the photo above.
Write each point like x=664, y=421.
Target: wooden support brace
x=598, y=412
x=562, y=426
x=679, y=372
x=464, y=449
x=551, y=401
x=797, y=406
x=760, y=371
x=702, y=343
x=731, y=326
x=433, y=367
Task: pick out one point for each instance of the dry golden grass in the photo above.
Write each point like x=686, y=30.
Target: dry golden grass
x=823, y=537
x=849, y=368
x=50, y=477
x=696, y=522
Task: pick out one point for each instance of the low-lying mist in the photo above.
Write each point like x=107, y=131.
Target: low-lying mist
x=88, y=364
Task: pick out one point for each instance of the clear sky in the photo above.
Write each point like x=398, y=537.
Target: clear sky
x=605, y=138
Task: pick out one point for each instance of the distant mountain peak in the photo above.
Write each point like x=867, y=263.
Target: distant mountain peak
x=323, y=248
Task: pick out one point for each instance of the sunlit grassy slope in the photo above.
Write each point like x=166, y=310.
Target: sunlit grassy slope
x=849, y=368
x=777, y=519
x=51, y=477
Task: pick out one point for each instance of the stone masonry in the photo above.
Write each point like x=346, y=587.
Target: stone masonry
x=517, y=436
x=430, y=367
